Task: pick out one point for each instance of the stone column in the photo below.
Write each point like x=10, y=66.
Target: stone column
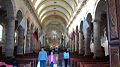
x=70, y=44
x=97, y=41
x=65, y=44
x=87, y=41
x=76, y=39
x=28, y=42
x=9, y=47
x=20, y=49
x=31, y=41
x=81, y=43
x=73, y=41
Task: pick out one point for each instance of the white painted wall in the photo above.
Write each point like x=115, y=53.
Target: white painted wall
x=88, y=8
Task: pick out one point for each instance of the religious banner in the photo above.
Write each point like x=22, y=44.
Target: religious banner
x=35, y=34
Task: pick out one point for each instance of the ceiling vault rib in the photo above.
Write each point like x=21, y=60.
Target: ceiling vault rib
x=56, y=8
x=64, y=19
x=75, y=2
x=34, y=1
x=54, y=0
x=45, y=9
x=54, y=11
x=61, y=20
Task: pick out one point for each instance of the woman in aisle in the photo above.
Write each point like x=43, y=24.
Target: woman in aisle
x=51, y=59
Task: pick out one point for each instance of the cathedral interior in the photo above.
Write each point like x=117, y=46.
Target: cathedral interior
x=89, y=29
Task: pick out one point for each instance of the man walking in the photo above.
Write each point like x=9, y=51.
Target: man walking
x=42, y=57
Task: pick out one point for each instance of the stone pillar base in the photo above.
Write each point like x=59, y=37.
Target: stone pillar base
x=81, y=51
x=98, y=52
x=20, y=50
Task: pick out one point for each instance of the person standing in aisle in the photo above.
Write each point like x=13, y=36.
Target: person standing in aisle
x=60, y=57
x=42, y=57
x=51, y=59
x=66, y=57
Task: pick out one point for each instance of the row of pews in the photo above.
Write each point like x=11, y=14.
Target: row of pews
x=88, y=61
x=26, y=60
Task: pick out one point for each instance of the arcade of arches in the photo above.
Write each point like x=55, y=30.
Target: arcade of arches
x=82, y=26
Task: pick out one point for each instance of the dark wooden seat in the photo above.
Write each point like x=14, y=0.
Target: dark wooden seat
x=94, y=64
x=75, y=60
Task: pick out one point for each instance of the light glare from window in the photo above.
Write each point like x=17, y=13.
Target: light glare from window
x=1, y=29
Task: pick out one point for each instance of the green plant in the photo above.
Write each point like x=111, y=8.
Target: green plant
x=76, y=52
x=47, y=47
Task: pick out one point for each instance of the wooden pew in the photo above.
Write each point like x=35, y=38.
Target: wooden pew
x=33, y=61
x=20, y=65
x=74, y=62
x=26, y=63
x=94, y=64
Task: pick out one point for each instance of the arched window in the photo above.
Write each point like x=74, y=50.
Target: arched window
x=1, y=31
x=15, y=37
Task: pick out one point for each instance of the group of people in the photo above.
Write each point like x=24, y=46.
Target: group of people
x=44, y=58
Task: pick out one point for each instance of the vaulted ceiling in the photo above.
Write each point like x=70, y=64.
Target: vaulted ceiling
x=62, y=9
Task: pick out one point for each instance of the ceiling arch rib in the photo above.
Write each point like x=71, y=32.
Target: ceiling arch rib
x=75, y=2
x=58, y=22
x=43, y=13
x=55, y=7
x=37, y=3
x=58, y=2
x=34, y=1
x=62, y=8
x=49, y=14
x=54, y=13
x=52, y=9
x=56, y=18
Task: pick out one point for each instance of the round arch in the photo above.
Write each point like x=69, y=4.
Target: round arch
x=89, y=17
x=57, y=14
x=19, y=16
x=55, y=7
x=54, y=11
x=101, y=18
x=20, y=33
x=62, y=1
x=52, y=18
x=100, y=8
